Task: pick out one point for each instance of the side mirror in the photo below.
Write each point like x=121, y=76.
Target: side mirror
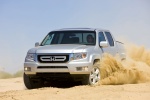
x=37, y=44
x=103, y=44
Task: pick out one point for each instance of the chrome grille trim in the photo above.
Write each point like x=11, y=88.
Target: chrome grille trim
x=53, y=58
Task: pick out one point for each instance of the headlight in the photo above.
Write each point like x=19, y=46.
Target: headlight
x=30, y=57
x=77, y=56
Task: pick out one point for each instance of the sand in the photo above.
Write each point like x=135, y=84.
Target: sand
x=13, y=89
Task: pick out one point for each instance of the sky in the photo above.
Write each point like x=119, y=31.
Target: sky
x=24, y=22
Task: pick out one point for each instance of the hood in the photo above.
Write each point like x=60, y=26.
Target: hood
x=63, y=48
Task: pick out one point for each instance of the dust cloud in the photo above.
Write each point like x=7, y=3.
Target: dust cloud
x=135, y=69
x=5, y=75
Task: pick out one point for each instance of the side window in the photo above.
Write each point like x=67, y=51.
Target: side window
x=48, y=39
x=110, y=39
x=101, y=37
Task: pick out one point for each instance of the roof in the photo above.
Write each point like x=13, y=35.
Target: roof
x=79, y=29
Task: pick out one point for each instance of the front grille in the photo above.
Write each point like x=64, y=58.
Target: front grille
x=40, y=67
x=53, y=58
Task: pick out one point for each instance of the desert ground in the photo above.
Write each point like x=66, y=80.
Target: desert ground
x=14, y=89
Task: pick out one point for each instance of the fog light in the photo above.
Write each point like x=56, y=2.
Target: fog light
x=27, y=68
x=85, y=68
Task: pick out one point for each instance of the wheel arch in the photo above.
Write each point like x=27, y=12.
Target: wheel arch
x=96, y=61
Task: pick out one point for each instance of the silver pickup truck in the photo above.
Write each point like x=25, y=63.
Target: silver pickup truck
x=72, y=53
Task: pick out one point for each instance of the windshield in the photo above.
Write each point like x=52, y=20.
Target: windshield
x=70, y=37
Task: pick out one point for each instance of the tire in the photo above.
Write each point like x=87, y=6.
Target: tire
x=31, y=84
x=93, y=77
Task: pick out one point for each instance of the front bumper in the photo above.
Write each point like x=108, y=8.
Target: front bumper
x=71, y=67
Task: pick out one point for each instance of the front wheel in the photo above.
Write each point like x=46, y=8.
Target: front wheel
x=30, y=83
x=93, y=77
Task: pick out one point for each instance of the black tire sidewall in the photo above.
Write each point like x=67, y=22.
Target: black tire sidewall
x=27, y=81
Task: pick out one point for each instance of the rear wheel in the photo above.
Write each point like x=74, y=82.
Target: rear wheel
x=32, y=83
x=93, y=77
